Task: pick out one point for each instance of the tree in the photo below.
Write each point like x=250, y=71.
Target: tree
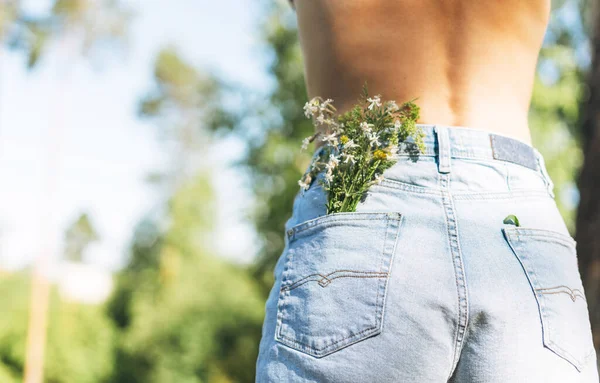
x=184, y=314
x=78, y=237
x=81, y=338
x=588, y=213
x=76, y=26
x=87, y=24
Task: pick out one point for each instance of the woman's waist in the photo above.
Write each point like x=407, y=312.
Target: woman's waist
x=478, y=162
x=509, y=124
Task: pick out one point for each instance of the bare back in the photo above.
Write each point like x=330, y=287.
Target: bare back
x=470, y=63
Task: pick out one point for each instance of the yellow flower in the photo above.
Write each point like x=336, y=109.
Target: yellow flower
x=344, y=139
x=379, y=154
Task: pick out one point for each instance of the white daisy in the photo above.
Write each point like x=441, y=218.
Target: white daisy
x=336, y=128
x=305, y=143
x=311, y=107
x=325, y=103
x=374, y=138
x=392, y=106
x=330, y=121
x=366, y=127
x=333, y=159
x=348, y=157
x=350, y=144
x=329, y=176
x=330, y=165
x=374, y=101
x=331, y=138
x=397, y=124
x=305, y=183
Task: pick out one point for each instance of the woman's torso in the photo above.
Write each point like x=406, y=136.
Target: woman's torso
x=469, y=63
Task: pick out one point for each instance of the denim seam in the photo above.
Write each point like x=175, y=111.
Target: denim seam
x=390, y=183
x=377, y=310
x=331, y=221
x=546, y=237
x=541, y=165
x=326, y=350
x=456, y=253
x=282, y=295
x=456, y=154
x=396, y=229
x=576, y=361
x=514, y=193
x=334, y=218
x=455, y=280
x=507, y=168
x=530, y=232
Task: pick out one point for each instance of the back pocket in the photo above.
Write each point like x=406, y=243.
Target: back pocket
x=335, y=279
x=549, y=259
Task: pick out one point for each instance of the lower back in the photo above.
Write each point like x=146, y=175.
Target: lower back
x=468, y=63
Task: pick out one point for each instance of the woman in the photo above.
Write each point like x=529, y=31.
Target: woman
x=456, y=267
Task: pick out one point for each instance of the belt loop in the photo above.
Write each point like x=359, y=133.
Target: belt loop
x=444, y=155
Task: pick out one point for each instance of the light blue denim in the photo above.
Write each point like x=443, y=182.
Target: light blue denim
x=426, y=283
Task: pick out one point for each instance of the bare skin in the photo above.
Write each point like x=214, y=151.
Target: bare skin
x=470, y=63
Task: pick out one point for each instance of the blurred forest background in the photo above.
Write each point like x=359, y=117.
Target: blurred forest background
x=178, y=310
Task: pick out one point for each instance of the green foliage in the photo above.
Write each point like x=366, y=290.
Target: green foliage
x=95, y=22
x=184, y=314
x=179, y=313
x=179, y=87
x=13, y=324
x=558, y=93
x=8, y=14
x=190, y=317
x=80, y=344
x=78, y=237
x=274, y=161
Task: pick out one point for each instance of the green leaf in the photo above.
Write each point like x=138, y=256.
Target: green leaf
x=511, y=220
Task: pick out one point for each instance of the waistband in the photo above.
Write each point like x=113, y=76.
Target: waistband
x=463, y=142
x=447, y=141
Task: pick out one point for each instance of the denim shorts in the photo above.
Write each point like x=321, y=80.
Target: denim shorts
x=427, y=281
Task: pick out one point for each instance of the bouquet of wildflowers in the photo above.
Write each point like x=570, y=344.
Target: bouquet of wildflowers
x=359, y=146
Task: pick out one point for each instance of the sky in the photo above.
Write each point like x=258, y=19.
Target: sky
x=70, y=141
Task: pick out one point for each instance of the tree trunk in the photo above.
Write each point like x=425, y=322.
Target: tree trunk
x=588, y=213
x=38, y=323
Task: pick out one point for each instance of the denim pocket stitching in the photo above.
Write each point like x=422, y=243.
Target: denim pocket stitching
x=333, y=218
x=534, y=232
x=521, y=193
x=328, y=279
x=514, y=236
x=394, y=220
x=307, y=347
x=573, y=293
x=395, y=184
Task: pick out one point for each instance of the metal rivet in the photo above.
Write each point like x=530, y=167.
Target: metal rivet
x=290, y=232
